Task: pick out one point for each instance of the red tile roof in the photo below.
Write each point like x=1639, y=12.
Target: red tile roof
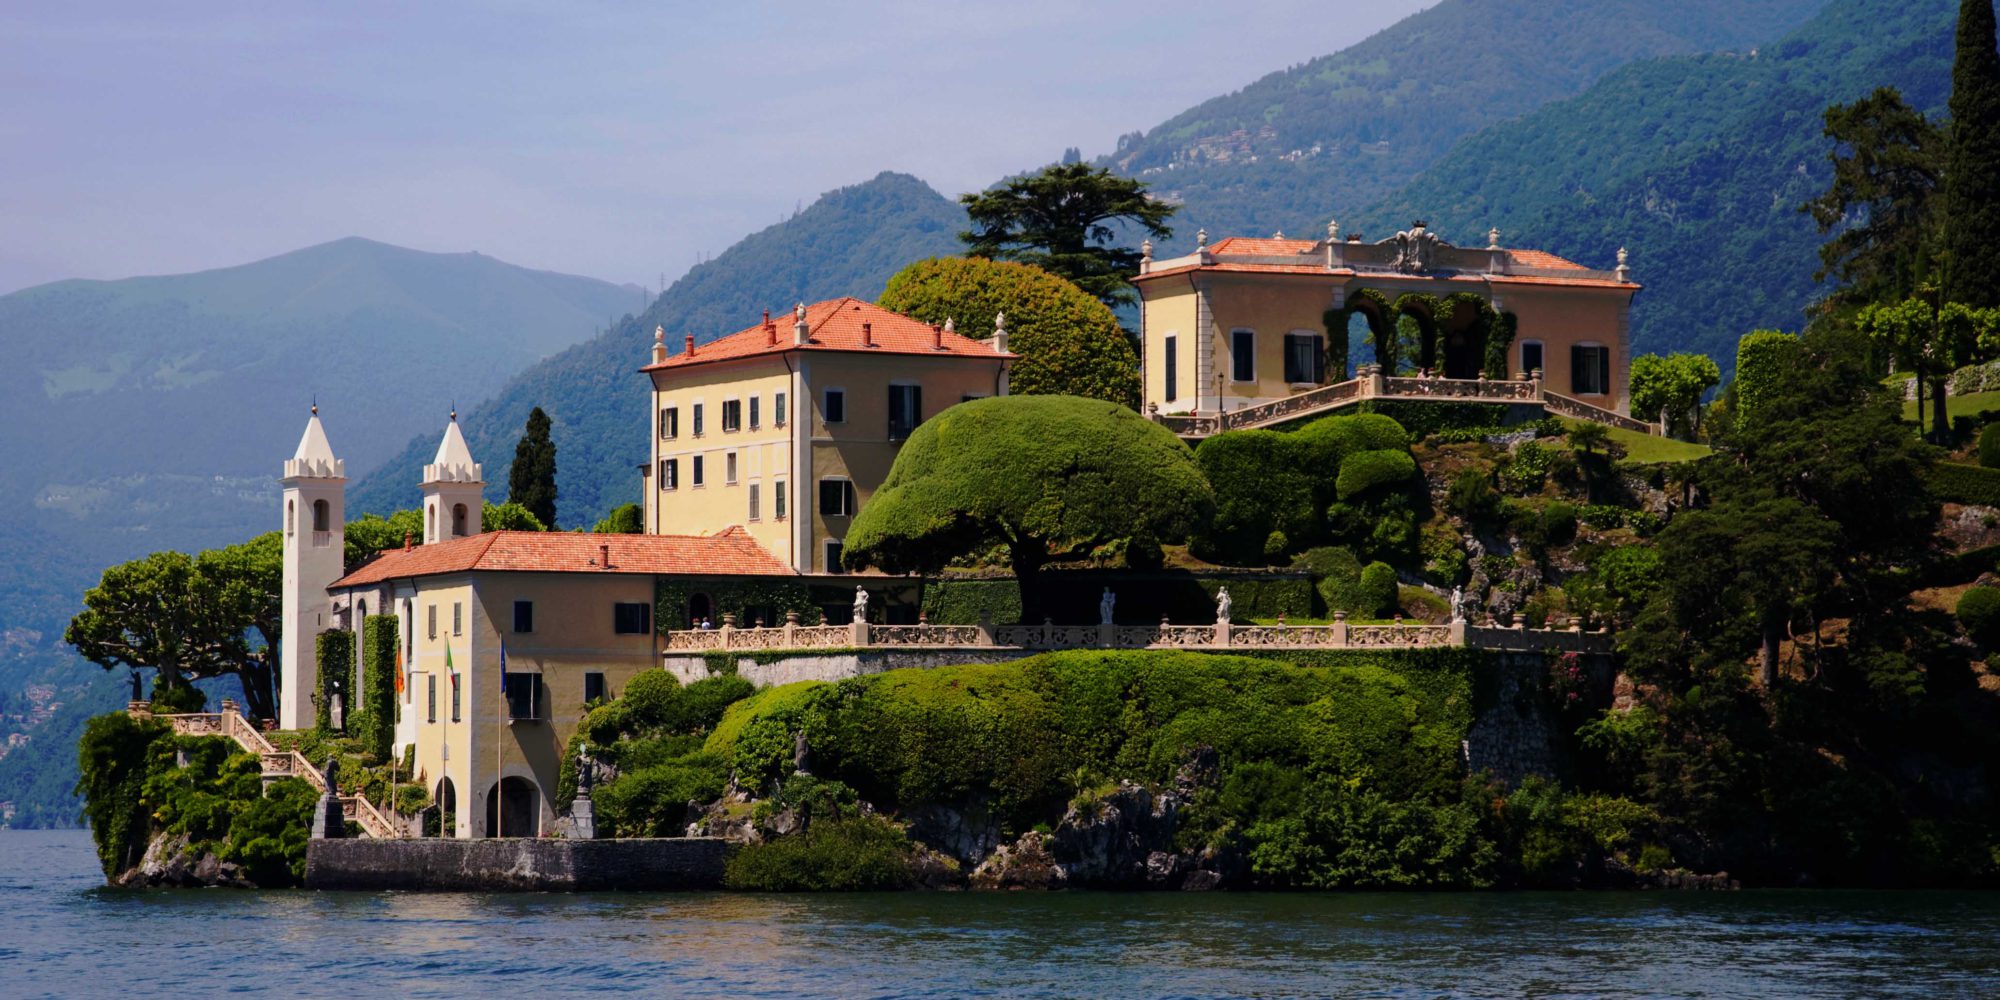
x=731, y=553
x=1542, y=258
x=835, y=325
x=1274, y=245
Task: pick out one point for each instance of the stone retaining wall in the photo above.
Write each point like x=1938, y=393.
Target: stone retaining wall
x=518, y=865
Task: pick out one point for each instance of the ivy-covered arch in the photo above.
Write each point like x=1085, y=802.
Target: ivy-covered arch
x=1422, y=309
x=1380, y=313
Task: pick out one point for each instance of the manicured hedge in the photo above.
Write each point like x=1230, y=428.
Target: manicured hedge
x=1368, y=470
x=1264, y=482
x=1764, y=358
x=1968, y=484
x=375, y=712
x=1073, y=597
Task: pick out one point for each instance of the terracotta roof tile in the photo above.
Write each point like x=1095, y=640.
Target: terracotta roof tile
x=835, y=325
x=1542, y=258
x=1272, y=246
x=730, y=553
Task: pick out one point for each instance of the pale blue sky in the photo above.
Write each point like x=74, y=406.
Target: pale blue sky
x=614, y=140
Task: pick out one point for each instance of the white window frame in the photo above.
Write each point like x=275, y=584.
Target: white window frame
x=1233, y=331
x=778, y=501
x=778, y=408
x=698, y=422
x=697, y=469
x=853, y=500
x=729, y=468
x=756, y=501
x=670, y=414
x=1170, y=366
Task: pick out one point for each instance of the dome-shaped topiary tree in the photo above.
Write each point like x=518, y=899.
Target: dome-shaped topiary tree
x=1042, y=475
x=1070, y=344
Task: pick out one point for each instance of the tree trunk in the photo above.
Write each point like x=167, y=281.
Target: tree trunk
x=258, y=702
x=1767, y=651
x=1027, y=559
x=1940, y=425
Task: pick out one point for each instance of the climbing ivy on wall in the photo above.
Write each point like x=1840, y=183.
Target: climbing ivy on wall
x=742, y=598
x=335, y=648
x=375, y=715
x=1417, y=342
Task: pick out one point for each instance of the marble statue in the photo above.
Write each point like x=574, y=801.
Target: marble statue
x=860, y=604
x=801, y=754
x=1105, y=605
x=1458, y=604
x=586, y=769
x=1222, y=605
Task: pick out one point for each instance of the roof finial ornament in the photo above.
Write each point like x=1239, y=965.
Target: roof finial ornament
x=315, y=405
x=1000, y=332
x=1145, y=251
x=1333, y=230
x=1624, y=265
x=1279, y=235
x=799, y=312
x=1493, y=238
x=660, y=345
x=950, y=325
x=454, y=411
x=999, y=322
x=1200, y=240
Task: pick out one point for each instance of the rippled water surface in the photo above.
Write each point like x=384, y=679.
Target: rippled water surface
x=63, y=935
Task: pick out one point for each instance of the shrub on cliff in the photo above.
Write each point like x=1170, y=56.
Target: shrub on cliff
x=1979, y=615
x=856, y=854
x=1371, y=754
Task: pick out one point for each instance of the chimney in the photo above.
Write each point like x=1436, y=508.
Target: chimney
x=406, y=541
x=868, y=335
x=659, y=345
x=937, y=337
x=690, y=345
x=770, y=329
x=801, y=333
x=604, y=556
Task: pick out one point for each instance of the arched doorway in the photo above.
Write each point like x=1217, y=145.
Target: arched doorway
x=699, y=608
x=515, y=811
x=446, y=796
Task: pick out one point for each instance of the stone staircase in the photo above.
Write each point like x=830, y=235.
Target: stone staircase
x=1371, y=383
x=277, y=763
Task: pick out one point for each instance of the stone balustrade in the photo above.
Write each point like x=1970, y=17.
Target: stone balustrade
x=1048, y=636
x=1370, y=382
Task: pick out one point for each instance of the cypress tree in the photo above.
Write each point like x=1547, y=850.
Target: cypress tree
x=1972, y=167
x=532, y=481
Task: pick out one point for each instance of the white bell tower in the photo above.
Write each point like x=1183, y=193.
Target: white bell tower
x=453, y=489
x=315, y=513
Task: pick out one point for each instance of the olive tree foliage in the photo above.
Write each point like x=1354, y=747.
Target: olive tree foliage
x=1044, y=476
x=190, y=617
x=1070, y=344
x=1670, y=388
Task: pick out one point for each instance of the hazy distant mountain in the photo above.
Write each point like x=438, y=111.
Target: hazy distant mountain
x=1334, y=135
x=1697, y=164
x=153, y=412
x=847, y=243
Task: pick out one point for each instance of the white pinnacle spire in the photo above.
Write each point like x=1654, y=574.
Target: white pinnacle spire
x=453, y=463
x=314, y=457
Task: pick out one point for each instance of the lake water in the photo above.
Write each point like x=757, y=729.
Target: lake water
x=61, y=934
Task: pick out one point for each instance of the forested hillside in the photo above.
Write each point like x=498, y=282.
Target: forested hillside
x=847, y=243
x=1342, y=131
x=1698, y=164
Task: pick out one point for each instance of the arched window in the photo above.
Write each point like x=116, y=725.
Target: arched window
x=458, y=520
x=291, y=517
x=430, y=524
x=322, y=516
